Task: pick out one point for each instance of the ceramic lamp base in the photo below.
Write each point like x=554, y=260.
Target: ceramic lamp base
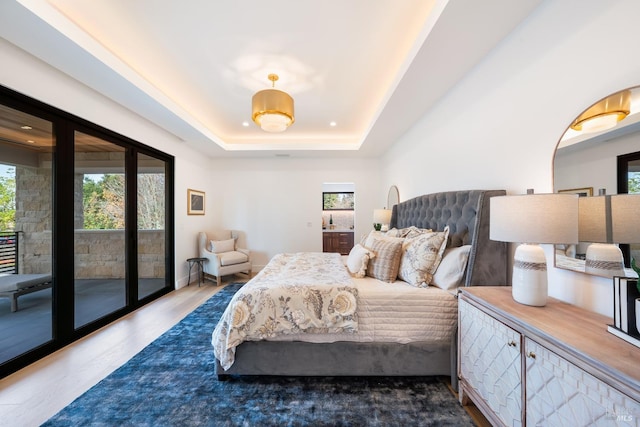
x=529, y=283
x=604, y=260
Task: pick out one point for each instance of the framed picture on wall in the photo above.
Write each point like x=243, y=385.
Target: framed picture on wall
x=582, y=192
x=195, y=202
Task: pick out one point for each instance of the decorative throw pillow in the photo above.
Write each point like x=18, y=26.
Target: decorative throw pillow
x=452, y=267
x=218, y=246
x=394, y=232
x=421, y=257
x=387, y=259
x=373, y=234
x=358, y=260
x=412, y=231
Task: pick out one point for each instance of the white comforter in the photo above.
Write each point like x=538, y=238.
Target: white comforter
x=294, y=294
x=396, y=313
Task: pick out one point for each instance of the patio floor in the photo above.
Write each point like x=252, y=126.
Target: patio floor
x=30, y=326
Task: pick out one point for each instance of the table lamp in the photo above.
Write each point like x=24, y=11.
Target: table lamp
x=531, y=219
x=381, y=219
x=625, y=218
x=603, y=258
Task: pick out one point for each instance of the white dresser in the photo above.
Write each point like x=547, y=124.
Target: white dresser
x=544, y=366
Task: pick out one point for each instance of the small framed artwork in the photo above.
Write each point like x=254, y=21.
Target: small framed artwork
x=195, y=202
x=582, y=192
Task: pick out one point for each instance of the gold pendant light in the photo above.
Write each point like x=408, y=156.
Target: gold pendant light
x=272, y=108
x=604, y=114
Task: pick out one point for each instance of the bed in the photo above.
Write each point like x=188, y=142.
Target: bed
x=465, y=215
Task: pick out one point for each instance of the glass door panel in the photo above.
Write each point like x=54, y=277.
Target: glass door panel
x=26, y=188
x=99, y=223
x=151, y=225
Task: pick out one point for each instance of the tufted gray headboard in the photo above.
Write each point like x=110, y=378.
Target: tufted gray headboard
x=467, y=215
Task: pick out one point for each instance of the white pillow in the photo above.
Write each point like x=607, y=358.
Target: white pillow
x=451, y=268
x=218, y=246
x=358, y=259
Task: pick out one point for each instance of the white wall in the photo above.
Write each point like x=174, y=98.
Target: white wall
x=277, y=202
x=499, y=127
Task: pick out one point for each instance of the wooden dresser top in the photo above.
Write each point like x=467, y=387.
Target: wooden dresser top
x=575, y=331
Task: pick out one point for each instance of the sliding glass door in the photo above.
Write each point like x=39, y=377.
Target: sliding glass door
x=152, y=244
x=26, y=150
x=99, y=229
x=86, y=228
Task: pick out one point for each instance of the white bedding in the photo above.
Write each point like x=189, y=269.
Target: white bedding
x=397, y=313
x=375, y=311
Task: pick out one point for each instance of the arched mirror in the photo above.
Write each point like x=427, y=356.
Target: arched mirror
x=587, y=162
x=393, y=198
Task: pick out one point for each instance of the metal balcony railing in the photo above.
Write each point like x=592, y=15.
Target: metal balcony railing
x=8, y=252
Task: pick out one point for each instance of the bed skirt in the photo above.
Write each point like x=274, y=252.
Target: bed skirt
x=299, y=358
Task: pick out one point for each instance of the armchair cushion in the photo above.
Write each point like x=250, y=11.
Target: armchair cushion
x=219, y=234
x=232, y=258
x=219, y=246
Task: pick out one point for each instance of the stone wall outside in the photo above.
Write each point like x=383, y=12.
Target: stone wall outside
x=98, y=253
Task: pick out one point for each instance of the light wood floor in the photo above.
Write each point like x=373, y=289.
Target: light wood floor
x=32, y=395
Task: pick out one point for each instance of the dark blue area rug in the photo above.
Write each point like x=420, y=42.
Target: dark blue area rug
x=172, y=382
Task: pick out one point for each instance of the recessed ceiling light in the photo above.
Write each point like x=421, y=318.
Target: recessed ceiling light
x=245, y=124
x=26, y=127
x=333, y=124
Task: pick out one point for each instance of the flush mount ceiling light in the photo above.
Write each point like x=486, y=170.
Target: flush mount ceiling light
x=604, y=114
x=272, y=108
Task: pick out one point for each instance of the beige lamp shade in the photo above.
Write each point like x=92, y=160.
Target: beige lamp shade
x=594, y=219
x=625, y=218
x=381, y=216
x=535, y=218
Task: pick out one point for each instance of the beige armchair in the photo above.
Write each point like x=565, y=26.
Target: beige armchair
x=224, y=257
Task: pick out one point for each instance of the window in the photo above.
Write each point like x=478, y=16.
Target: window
x=332, y=201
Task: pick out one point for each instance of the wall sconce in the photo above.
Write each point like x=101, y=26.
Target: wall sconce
x=381, y=219
x=531, y=219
